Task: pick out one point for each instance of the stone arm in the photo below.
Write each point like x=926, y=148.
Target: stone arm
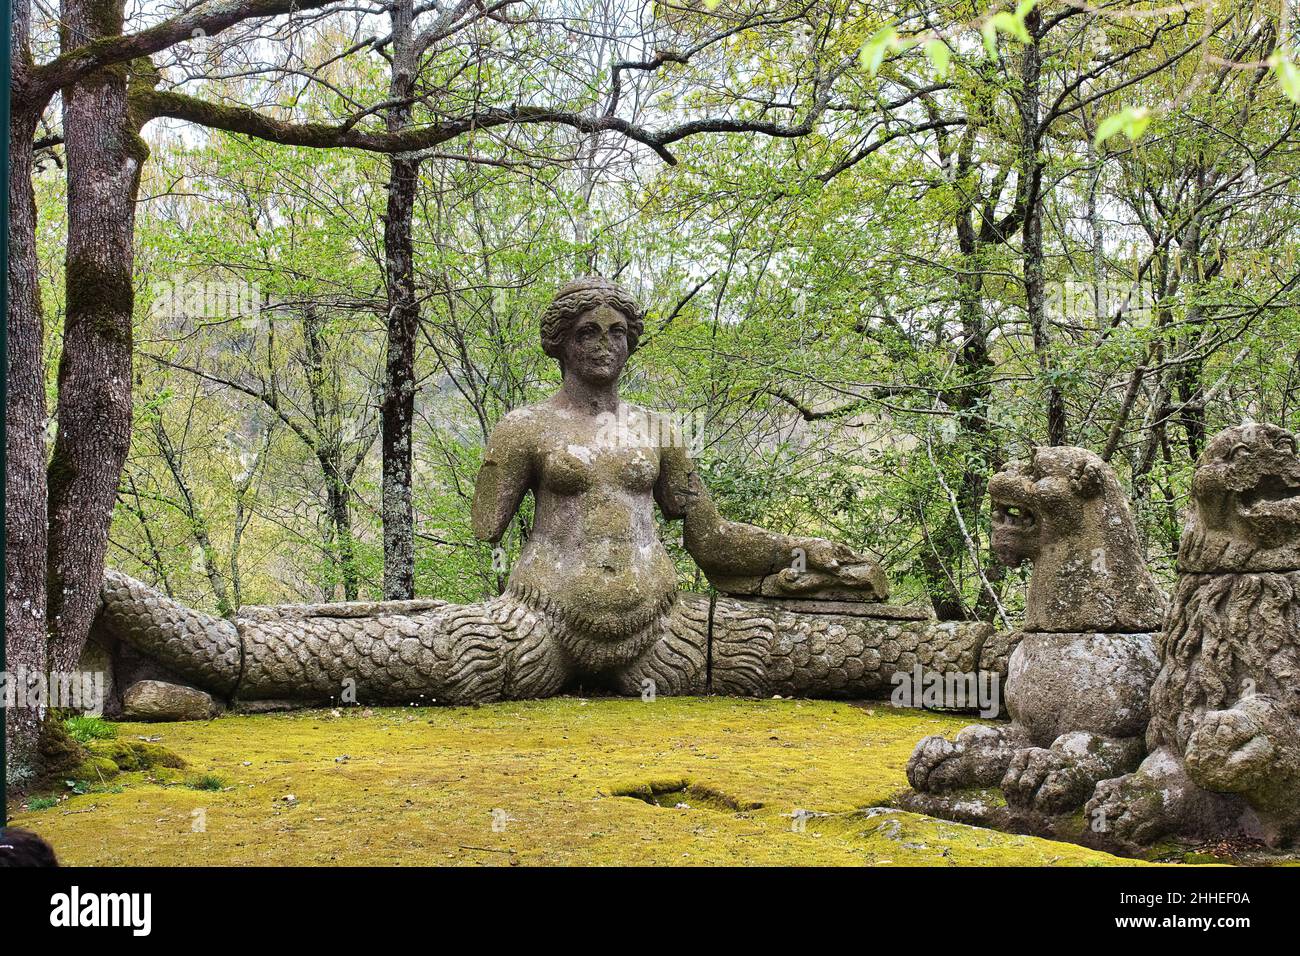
x=504, y=479
x=741, y=558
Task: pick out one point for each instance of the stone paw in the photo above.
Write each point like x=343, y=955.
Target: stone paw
x=933, y=766
x=1128, y=809
x=1045, y=780
x=1228, y=751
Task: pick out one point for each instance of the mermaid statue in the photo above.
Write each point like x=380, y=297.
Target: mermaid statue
x=591, y=603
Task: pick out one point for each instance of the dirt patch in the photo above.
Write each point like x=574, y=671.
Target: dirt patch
x=681, y=793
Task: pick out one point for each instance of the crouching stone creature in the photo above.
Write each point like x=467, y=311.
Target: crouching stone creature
x=1224, y=736
x=1079, y=678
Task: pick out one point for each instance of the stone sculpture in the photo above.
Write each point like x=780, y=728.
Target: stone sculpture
x=1079, y=677
x=592, y=599
x=1224, y=736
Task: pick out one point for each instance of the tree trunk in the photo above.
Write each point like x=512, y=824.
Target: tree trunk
x=104, y=158
x=25, y=534
x=340, y=516
x=1032, y=247
x=398, y=403
x=972, y=419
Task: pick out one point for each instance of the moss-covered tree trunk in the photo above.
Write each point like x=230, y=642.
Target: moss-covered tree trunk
x=25, y=537
x=104, y=158
x=398, y=403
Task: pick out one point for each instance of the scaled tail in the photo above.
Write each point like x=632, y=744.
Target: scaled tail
x=204, y=649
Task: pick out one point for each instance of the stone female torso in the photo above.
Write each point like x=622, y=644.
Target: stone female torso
x=593, y=560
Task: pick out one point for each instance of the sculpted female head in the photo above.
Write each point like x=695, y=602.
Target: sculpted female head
x=591, y=327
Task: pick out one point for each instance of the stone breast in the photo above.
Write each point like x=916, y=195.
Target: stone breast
x=574, y=469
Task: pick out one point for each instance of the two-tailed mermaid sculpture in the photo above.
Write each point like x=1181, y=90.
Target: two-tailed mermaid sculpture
x=1192, y=736
x=592, y=600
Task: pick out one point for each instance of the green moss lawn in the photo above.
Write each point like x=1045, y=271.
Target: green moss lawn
x=532, y=783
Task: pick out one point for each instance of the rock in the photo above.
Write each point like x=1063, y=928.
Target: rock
x=159, y=700
x=1059, y=683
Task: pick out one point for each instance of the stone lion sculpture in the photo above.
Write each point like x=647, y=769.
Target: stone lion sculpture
x=592, y=600
x=1079, y=677
x=1224, y=736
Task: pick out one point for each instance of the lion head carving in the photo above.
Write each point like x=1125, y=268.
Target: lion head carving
x=1245, y=512
x=1065, y=511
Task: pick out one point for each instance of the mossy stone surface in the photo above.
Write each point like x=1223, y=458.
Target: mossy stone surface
x=134, y=754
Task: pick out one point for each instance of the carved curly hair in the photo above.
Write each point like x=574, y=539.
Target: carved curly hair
x=580, y=296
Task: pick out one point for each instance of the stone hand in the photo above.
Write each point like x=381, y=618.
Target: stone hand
x=818, y=565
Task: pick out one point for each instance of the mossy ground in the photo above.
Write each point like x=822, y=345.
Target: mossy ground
x=533, y=783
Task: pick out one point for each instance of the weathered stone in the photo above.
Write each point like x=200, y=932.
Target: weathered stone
x=856, y=608
x=1066, y=512
x=198, y=647
x=1224, y=734
x=592, y=598
x=1079, y=676
x=159, y=700
x=1245, y=513
x=97, y=659
x=1059, y=683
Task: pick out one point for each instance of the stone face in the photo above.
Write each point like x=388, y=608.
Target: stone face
x=1065, y=511
x=1246, y=504
x=159, y=700
x=1224, y=734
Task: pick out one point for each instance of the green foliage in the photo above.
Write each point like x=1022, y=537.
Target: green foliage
x=208, y=781
x=1288, y=76
x=85, y=729
x=844, y=313
x=1132, y=122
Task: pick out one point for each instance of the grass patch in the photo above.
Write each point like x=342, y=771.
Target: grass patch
x=207, y=781
x=84, y=729
x=42, y=803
